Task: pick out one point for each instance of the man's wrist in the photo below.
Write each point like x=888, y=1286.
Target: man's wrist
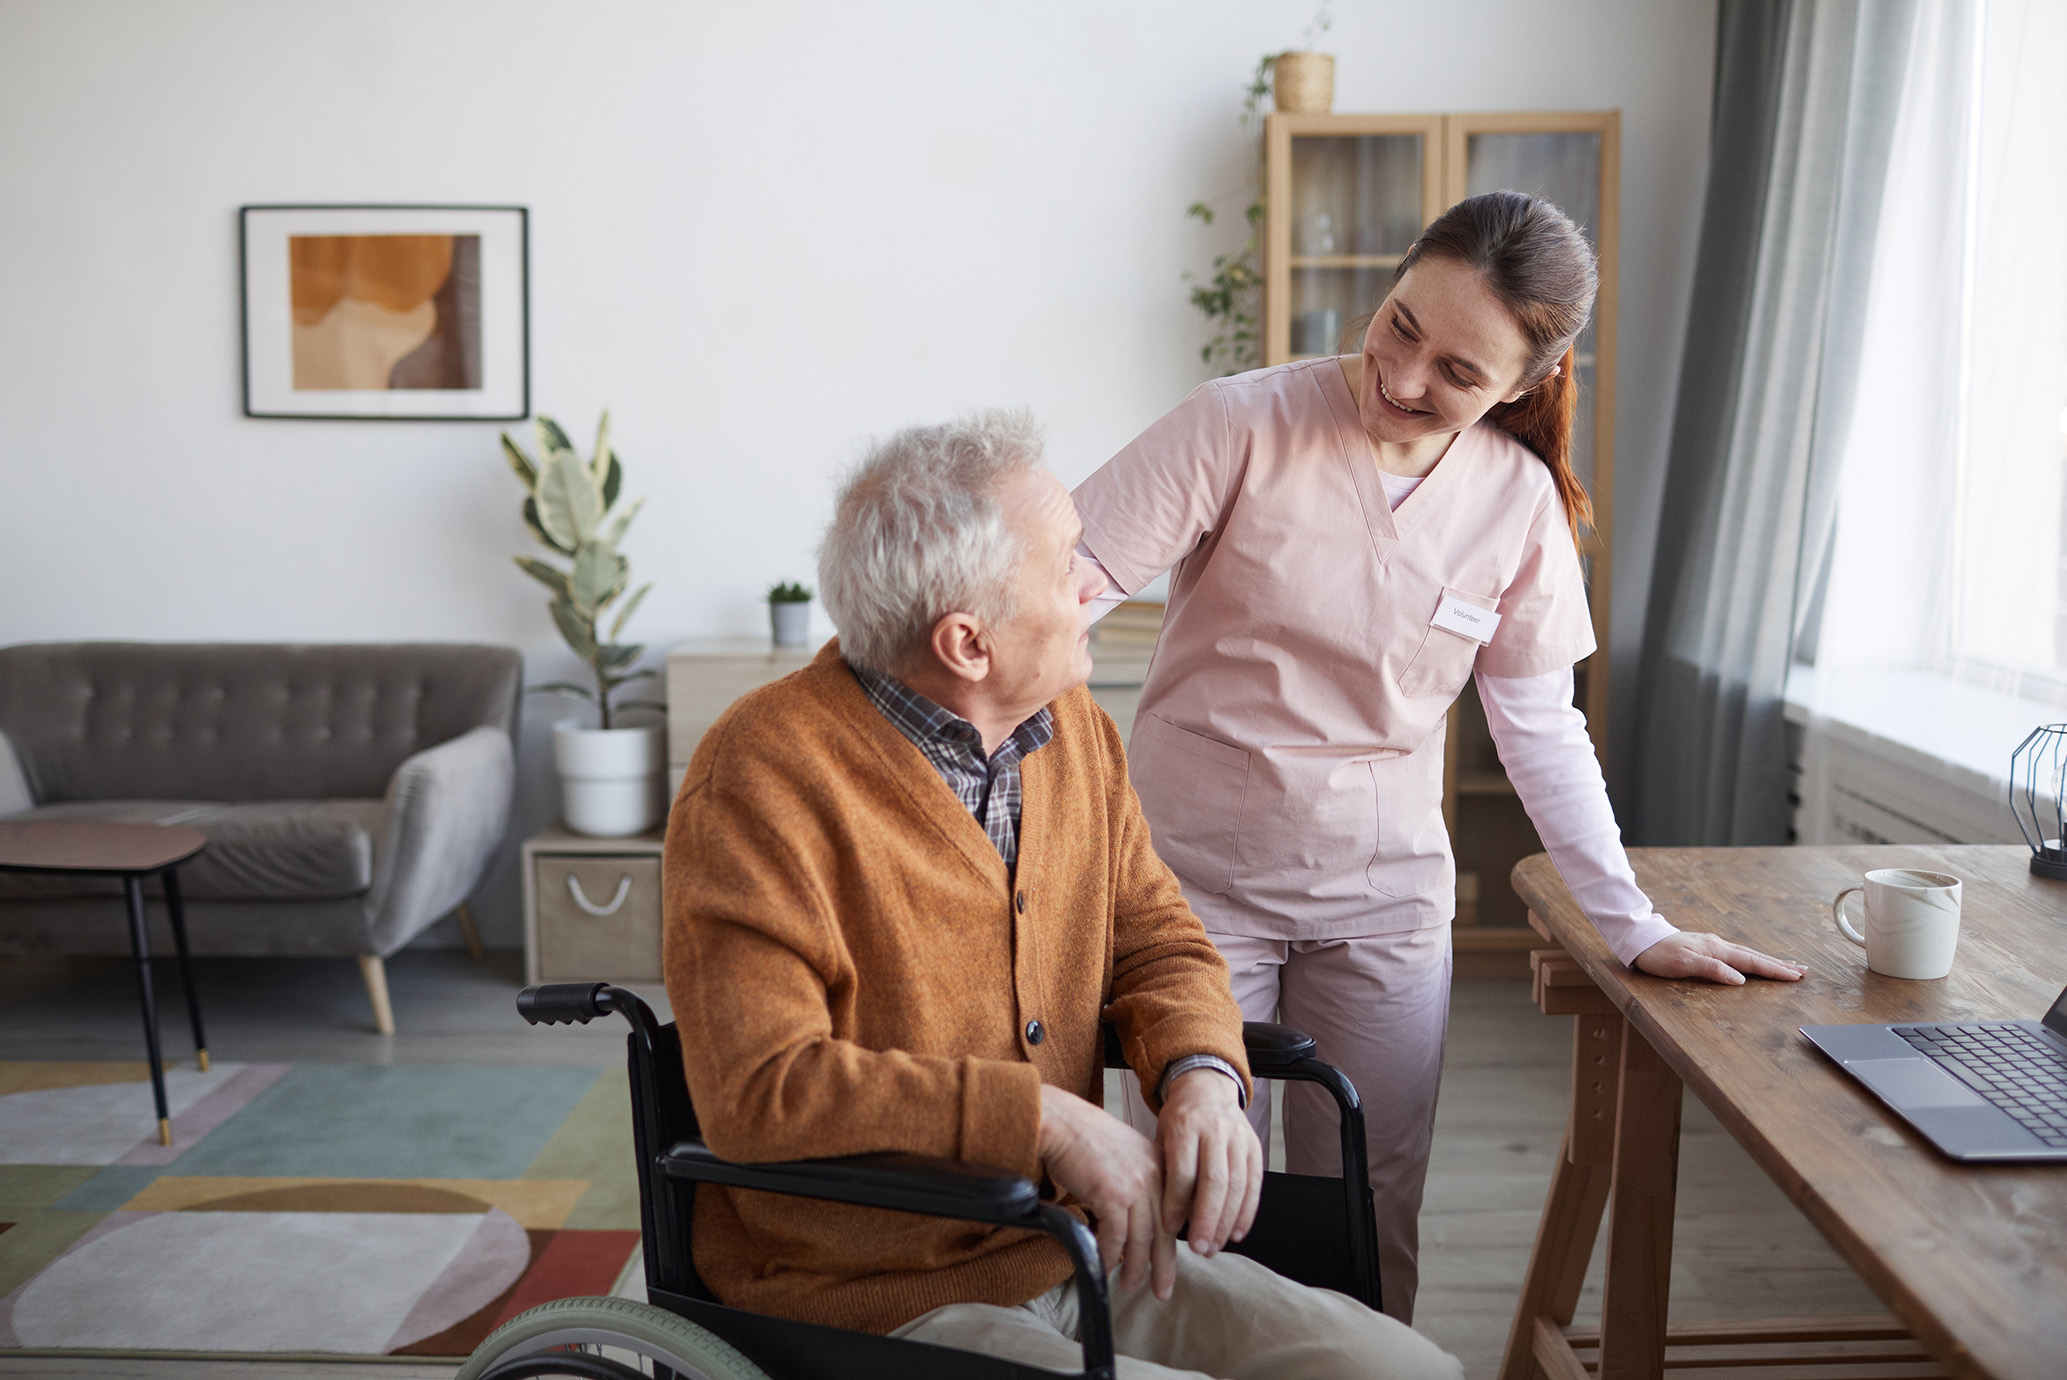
x=1191, y=1063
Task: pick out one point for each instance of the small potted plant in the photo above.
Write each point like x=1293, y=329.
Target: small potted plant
x=612, y=776
x=789, y=614
x=1302, y=81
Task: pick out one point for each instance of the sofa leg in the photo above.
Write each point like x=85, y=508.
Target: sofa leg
x=468, y=931
x=375, y=973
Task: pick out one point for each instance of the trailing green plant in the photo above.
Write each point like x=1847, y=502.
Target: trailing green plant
x=789, y=593
x=570, y=505
x=1230, y=297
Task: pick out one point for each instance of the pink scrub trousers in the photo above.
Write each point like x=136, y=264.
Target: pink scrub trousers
x=1378, y=1008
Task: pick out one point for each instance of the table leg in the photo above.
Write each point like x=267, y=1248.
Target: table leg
x=1646, y=1171
x=175, y=911
x=140, y=944
x=1578, y=1195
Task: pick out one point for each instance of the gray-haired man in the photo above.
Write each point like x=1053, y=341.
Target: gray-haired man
x=903, y=886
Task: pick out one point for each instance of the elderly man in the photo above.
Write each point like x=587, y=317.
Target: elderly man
x=902, y=887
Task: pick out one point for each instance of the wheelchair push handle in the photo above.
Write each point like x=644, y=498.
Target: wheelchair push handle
x=569, y=1002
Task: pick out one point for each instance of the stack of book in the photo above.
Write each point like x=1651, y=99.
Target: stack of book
x=1123, y=641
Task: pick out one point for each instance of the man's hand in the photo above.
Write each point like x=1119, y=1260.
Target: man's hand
x=1212, y=1162
x=1114, y=1171
x=1713, y=958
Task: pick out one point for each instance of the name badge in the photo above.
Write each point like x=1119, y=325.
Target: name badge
x=1467, y=620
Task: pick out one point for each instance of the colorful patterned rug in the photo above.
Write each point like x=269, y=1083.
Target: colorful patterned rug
x=318, y=1209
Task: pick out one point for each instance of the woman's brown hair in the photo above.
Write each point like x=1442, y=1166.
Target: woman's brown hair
x=1537, y=262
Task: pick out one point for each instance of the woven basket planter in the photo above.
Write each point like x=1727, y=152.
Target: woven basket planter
x=1303, y=83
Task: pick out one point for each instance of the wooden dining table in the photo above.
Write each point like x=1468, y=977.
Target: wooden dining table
x=1970, y=1259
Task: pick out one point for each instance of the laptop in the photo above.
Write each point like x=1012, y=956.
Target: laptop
x=1987, y=1090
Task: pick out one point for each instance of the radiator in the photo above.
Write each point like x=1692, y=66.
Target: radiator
x=1903, y=759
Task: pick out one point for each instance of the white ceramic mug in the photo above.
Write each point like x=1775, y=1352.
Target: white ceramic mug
x=1912, y=922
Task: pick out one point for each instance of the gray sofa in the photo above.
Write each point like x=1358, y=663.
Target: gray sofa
x=351, y=794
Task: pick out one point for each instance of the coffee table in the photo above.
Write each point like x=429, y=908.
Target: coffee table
x=131, y=852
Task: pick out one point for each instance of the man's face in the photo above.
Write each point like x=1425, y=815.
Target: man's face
x=1045, y=647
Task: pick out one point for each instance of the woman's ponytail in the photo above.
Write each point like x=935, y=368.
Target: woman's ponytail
x=1542, y=420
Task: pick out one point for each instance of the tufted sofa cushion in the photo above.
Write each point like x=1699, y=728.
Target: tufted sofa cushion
x=274, y=850
x=108, y=721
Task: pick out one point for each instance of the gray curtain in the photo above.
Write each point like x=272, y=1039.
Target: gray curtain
x=1805, y=100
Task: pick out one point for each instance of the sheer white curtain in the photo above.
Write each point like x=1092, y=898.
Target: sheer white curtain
x=1937, y=643
x=1947, y=556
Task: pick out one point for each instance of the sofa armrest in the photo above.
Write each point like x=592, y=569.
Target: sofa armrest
x=15, y=795
x=447, y=809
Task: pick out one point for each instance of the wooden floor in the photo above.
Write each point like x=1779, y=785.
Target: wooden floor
x=1740, y=1251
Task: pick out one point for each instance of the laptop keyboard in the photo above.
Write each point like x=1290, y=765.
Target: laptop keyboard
x=2007, y=1065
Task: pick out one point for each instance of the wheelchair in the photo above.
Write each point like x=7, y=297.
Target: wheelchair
x=1313, y=1229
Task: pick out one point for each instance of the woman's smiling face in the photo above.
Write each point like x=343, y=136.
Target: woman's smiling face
x=1440, y=352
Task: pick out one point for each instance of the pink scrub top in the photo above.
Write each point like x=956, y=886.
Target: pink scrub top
x=1288, y=749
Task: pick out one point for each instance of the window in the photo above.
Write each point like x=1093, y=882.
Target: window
x=1950, y=553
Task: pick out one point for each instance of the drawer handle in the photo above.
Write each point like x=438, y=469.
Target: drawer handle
x=624, y=889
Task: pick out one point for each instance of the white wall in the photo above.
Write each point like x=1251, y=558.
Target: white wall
x=760, y=233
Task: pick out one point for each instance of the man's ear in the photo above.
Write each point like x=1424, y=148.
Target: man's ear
x=961, y=644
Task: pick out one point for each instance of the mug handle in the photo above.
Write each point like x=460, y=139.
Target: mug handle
x=1837, y=913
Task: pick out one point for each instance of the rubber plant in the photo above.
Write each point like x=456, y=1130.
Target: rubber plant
x=570, y=505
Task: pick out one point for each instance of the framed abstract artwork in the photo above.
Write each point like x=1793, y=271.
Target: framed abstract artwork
x=386, y=312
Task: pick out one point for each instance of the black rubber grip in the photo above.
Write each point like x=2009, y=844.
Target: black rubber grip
x=571, y=1002
x=1275, y=1046
x=1270, y=1047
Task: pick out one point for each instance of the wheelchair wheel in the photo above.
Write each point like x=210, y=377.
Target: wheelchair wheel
x=626, y=1337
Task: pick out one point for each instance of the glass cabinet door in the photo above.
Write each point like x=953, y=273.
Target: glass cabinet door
x=1572, y=161
x=1563, y=167
x=1347, y=196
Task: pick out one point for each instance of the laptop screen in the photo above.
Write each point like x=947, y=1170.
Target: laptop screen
x=2056, y=1019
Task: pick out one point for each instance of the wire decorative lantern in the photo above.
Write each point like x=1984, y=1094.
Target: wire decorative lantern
x=2038, y=781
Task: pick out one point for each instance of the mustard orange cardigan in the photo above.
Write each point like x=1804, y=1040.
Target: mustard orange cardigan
x=853, y=970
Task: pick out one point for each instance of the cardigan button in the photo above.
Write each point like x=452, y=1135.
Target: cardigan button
x=1035, y=1032
x=1019, y=901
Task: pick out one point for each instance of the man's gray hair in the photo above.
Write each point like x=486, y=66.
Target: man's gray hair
x=918, y=533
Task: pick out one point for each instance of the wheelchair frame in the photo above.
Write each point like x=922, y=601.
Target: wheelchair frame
x=672, y=1160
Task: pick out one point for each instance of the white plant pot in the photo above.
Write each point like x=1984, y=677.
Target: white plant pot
x=790, y=623
x=612, y=780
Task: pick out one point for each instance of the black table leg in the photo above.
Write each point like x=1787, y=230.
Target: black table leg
x=140, y=943
x=176, y=912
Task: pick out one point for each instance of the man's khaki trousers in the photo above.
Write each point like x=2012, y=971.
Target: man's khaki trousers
x=1228, y=1318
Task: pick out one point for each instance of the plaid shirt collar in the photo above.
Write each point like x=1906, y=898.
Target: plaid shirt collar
x=988, y=787
x=991, y=790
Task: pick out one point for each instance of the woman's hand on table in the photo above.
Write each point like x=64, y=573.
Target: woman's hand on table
x=1712, y=958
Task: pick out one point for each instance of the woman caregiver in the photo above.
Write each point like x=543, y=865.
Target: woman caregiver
x=1351, y=539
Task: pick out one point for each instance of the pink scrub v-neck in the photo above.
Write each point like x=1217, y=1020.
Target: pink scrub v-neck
x=1288, y=747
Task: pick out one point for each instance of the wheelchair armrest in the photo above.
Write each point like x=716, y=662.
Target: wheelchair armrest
x=937, y=1188
x=1271, y=1048
x=903, y=1183
x=1274, y=1047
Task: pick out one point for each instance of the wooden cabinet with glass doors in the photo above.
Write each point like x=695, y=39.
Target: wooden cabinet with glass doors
x=1345, y=195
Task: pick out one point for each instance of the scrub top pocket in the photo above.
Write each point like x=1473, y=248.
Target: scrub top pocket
x=1191, y=790
x=1444, y=661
